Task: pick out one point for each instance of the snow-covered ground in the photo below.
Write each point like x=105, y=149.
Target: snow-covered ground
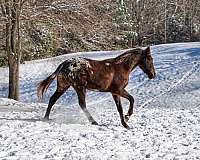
x=165, y=124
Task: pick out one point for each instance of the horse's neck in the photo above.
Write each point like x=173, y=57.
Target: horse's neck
x=134, y=62
x=130, y=61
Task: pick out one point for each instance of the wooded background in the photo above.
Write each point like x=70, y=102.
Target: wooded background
x=48, y=26
x=32, y=29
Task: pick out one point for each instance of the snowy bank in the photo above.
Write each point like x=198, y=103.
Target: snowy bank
x=165, y=124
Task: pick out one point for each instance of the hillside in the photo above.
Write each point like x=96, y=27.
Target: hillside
x=55, y=27
x=165, y=124
x=50, y=28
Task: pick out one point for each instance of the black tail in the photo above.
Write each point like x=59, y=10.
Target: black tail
x=42, y=86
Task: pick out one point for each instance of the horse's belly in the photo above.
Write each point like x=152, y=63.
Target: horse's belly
x=100, y=84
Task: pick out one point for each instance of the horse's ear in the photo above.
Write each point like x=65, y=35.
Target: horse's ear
x=148, y=51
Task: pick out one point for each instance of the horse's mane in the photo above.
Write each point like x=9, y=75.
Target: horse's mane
x=126, y=55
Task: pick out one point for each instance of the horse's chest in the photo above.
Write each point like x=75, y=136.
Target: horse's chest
x=120, y=80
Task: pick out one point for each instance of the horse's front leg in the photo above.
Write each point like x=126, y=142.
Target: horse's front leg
x=126, y=95
x=81, y=99
x=120, y=110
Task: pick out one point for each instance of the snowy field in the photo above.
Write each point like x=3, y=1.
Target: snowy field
x=165, y=124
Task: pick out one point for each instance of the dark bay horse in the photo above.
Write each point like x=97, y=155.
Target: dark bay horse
x=109, y=75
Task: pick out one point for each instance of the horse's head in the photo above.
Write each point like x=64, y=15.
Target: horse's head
x=146, y=63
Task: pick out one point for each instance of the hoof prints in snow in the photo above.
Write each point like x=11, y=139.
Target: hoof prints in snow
x=166, y=128
x=155, y=134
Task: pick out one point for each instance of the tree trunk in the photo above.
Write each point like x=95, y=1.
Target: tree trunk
x=13, y=47
x=165, y=37
x=13, y=78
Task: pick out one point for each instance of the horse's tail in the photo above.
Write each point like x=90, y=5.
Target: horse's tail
x=43, y=85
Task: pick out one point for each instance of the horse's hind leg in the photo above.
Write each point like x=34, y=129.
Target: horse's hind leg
x=81, y=99
x=52, y=101
x=61, y=88
x=120, y=110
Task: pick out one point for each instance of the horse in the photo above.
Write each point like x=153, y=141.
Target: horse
x=109, y=75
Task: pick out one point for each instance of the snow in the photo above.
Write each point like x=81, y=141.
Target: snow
x=165, y=123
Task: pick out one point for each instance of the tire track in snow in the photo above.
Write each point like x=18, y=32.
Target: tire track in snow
x=196, y=65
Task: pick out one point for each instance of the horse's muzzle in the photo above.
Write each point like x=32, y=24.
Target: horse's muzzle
x=152, y=75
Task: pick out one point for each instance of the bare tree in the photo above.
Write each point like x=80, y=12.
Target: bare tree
x=92, y=25
x=11, y=10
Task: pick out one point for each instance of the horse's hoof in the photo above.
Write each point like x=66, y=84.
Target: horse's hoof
x=46, y=119
x=126, y=126
x=126, y=118
x=94, y=123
